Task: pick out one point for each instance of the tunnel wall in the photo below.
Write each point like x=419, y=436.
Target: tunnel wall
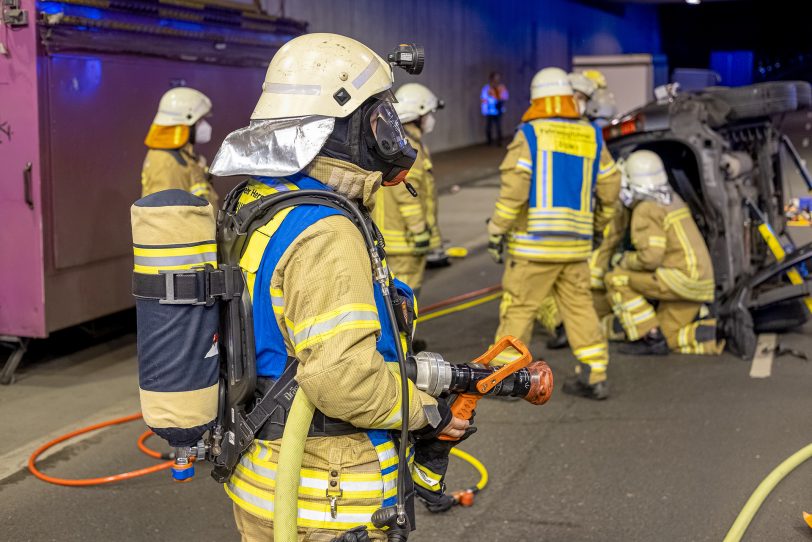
x=467, y=39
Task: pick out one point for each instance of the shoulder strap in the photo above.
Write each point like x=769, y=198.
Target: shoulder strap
x=176, y=154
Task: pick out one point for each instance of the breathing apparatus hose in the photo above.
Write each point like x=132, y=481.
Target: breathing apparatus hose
x=289, y=468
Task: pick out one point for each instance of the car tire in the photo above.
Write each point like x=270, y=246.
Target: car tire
x=759, y=100
x=780, y=317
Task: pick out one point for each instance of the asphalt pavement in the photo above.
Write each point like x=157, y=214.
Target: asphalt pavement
x=671, y=456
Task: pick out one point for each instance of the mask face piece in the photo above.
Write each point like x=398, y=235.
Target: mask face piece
x=390, y=138
x=427, y=123
x=202, y=131
x=372, y=138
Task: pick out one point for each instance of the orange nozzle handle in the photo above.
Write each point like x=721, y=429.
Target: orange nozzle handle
x=464, y=405
x=486, y=385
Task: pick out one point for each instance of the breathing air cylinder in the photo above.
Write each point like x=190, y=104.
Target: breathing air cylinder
x=178, y=358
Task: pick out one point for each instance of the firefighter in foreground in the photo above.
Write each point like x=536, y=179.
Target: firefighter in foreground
x=171, y=161
x=313, y=297
x=555, y=166
x=405, y=219
x=670, y=264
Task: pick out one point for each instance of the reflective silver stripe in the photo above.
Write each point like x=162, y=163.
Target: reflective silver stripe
x=364, y=76
x=249, y=498
x=304, y=513
x=157, y=261
x=288, y=88
x=312, y=483
x=322, y=327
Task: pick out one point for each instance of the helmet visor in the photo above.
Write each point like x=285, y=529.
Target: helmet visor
x=390, y=138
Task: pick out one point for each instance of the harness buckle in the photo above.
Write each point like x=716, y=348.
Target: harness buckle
x=202, y=275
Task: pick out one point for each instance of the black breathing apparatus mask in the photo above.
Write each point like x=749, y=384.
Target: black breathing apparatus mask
x=373, y=138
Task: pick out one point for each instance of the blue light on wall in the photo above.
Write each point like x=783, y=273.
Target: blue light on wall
x=735, y=67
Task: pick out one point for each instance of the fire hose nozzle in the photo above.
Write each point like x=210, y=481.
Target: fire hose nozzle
x=541, y=383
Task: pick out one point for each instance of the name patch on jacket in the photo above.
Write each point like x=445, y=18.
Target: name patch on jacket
x=567, y=138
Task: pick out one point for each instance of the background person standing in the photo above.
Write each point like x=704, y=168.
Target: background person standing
x=171, y=160
x=492, y=100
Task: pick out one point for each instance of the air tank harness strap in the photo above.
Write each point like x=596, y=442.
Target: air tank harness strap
x=200, y=286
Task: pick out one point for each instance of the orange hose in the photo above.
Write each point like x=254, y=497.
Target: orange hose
x=81, y=482
x=32, y=461
x=456, y=299
x=142, y=445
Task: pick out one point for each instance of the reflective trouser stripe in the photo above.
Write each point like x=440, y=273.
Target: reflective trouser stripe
x=310, y=514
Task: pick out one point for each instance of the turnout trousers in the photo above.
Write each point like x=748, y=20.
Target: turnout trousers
x=526, y=284
x=629, y=293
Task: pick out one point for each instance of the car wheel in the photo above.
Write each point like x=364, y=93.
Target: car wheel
x=780, y=317
x=759, y=100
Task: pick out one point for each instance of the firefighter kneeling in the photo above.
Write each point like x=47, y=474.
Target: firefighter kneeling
x=670, y=264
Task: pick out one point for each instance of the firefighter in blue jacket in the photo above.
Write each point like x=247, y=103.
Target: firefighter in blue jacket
x=559, y=186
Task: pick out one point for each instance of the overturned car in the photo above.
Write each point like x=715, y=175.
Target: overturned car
x=722, y=148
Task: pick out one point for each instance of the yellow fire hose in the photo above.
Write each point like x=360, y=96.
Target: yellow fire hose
x=747, y=514
x=288, y=472
x=289, y=467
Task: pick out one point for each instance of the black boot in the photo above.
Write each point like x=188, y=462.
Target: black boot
x=652, y=344
x=559, y=340
x=574, y=386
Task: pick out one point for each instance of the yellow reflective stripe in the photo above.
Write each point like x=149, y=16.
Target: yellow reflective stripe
x=657, y=241
x=524, y=165
x=333, y=331
x=633, y=303
x=548, y=180
x=675, y=216
x=277, y=301
x=586, y=183
x=310, y=514
x=606, y=169
x=592, y=352
x=426, y=478
x=504, y=210
x=314, y=487
x=155, y=270
x=174, y=251
x=690, y=255
x=349, y=308
x=410, y=209
x=564, y=212
x=690, y=289
x=199, y=188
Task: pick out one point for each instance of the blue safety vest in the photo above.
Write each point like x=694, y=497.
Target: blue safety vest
x=271, y=354
x=565, y=161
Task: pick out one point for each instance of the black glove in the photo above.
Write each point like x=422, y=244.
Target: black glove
x=356, y=534
x=436, y=502
x=421, y=242
x=430, y=432
x=496, y=247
